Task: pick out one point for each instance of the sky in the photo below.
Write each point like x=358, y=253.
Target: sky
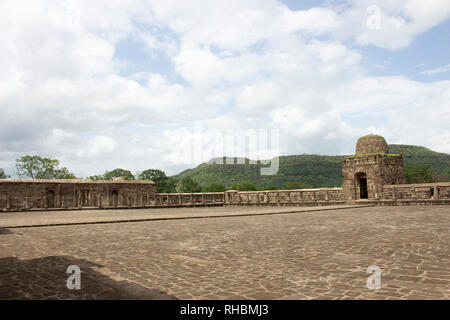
x=140, y=84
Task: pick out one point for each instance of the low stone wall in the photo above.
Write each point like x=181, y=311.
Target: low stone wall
x=423, y=191
x=32, y=195
x=189, y=199
x=299, y=197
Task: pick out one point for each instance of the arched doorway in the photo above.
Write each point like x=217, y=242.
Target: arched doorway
x=115, y=198
x=361, y=186
x=50, y=199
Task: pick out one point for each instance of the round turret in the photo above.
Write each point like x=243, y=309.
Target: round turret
x=371, y=144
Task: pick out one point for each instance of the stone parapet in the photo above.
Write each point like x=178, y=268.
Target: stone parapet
x=28, y=197
x=422, y=191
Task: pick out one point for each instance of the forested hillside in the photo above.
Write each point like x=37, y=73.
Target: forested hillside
x=316, y=170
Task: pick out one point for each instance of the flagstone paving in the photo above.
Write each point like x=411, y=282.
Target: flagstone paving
x=297, y=255
x=70, y=217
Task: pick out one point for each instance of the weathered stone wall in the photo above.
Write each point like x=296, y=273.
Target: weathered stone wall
x=18, y=196
x=384, y=183
x=422, y=191
x=393, y=172
x=189, y=199
x=378, y=169
x=242, y=198
x=48, y=194
x=300, y=197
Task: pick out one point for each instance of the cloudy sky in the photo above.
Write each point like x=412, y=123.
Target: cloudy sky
x=106, y=84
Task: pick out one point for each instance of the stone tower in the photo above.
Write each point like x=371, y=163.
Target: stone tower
x=365, y=173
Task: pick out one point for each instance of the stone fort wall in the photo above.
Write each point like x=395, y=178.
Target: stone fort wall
x=372, y=176
x=399, y=194
x=421, y=191
x=61, y=194
x=32, y=196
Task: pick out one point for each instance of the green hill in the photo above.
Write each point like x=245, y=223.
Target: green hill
x=317, y=170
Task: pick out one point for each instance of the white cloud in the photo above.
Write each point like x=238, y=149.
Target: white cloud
x=389, y=24
x=437, y=70
x=411, y=112
x=238, y=24
x=97, y=146
x=243, y=65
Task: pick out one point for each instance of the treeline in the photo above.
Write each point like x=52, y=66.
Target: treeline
x=37, y=167
x=420, y=164
x=165, y=184
x=420, y=173
x=316, y=171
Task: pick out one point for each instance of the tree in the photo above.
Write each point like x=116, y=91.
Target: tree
x=187, y=184
x=244, y=186
x=170, y=185
x=418, y=173
x=164, y=184
x=3, y=175
x=63, y=173
x=97, y=177
x=37, y=167
x=214, y=187
x=118, y=173
x=296, y=185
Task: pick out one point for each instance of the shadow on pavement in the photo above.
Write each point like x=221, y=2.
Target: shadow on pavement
x=46, y=278
x=4, y=231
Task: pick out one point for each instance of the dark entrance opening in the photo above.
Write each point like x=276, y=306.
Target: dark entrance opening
x=115, y=198
x=363, y=188
x=361, y=191
x=50, y=199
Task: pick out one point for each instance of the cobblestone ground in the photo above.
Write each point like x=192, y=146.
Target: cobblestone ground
x=304, y=255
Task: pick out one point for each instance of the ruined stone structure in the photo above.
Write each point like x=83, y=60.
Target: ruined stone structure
x=372, y=167
x=48, y=194
x=372, y=176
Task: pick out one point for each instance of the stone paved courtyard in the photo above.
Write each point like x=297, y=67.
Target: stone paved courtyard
x=307, y=254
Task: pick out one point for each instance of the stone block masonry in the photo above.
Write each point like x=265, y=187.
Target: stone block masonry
x=421, y=191
x=21, y=195
x=299, y=197
x=143, y=196
x=365, y=173
x=364, y=176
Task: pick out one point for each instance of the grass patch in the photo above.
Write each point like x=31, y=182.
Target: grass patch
x=372, y=154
